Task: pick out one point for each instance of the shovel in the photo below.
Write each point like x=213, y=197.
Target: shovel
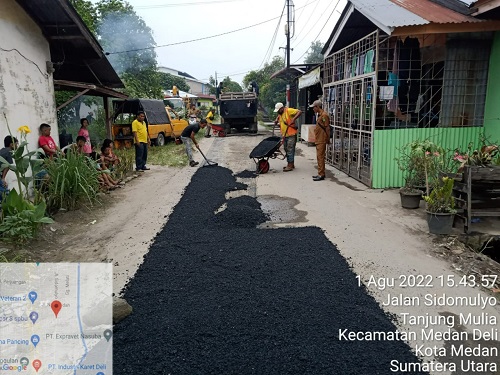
x=209, y=163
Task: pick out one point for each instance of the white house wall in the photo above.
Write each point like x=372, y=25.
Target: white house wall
x=26, y=89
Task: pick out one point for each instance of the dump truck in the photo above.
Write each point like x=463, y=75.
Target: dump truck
x=239, y=110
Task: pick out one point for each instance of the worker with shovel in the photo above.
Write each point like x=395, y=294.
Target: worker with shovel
x=188, y=138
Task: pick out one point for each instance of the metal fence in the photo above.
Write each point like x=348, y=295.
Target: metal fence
x=382, y=82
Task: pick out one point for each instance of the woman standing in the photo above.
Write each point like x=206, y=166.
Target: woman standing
x=84, y=132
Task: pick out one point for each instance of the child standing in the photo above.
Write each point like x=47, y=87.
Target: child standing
x=84, y=132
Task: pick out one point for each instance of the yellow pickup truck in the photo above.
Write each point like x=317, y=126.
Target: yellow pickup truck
x=162, y=122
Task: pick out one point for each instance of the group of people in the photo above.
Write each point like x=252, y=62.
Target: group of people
x=286, y=119
x=194, y=114
x=105, y=162
x=142, y=140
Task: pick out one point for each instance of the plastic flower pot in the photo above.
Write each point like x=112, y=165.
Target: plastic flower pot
x=440, y=223
x=410, y=199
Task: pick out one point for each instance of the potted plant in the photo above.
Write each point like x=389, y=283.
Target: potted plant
x=418, y=160
x=482, y=157
x=440, y=207
x=409, y=193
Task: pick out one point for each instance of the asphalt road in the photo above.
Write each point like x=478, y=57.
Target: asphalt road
x=216, y=295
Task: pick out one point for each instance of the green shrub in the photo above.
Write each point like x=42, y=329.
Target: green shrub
x=441, y=199
x=72, y=182
x=126, y=165
x=21, y=218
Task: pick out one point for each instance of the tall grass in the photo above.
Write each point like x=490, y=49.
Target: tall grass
x=11, y=259
x=126, y=165
x=171, y=155
x=72, y=182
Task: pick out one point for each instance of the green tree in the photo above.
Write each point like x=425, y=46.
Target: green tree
x=117, y=28
x=271, y=90
x=143, y=84
x=125, y=36
x=314, y=55
x=228, y=85
x=212, y=85
x=88, y=12
x=167, y=81
x=130, y=44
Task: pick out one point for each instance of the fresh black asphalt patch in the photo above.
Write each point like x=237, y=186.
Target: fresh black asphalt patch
x=215, y=295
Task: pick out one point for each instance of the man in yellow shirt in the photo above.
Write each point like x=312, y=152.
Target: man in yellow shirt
x=210, y=119
x=141, y=141
x=286, y=118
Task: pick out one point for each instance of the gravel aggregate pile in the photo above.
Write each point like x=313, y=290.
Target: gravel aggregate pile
x=226, y=299
x=246, y=174
x=241, y=212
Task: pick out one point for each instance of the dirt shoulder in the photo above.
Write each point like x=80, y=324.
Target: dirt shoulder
x=119, y=230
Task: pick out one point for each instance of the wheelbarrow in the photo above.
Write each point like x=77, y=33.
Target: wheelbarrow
x=268, y=148
x=218, y=131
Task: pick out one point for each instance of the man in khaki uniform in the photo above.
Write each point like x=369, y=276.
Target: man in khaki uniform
x=322, y=135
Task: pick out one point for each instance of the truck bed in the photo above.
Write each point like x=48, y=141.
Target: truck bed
x=237, y=95
x=239, y=110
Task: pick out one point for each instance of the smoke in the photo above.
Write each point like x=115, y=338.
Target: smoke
x=125, y=36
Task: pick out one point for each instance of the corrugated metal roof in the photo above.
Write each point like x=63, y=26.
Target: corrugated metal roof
x=398, y=13
x=434, y=12
x=386, y=13
x=456, y=5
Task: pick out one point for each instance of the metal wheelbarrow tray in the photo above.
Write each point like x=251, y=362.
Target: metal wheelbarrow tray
x=268, y=148
x=218, y=131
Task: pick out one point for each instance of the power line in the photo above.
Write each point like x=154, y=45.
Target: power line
x=311, y=29
x=183, y=4
x=267, y=56
x=196, y=40
x=300, y=32
x=192, y=40
x=335, y=7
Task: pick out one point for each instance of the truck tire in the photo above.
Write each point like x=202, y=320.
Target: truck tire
x=227, y=128
x=160, y=141
x=253, y=128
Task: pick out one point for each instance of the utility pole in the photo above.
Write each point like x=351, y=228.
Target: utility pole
x=287, y=34
x=216, y=94
x=288, y=31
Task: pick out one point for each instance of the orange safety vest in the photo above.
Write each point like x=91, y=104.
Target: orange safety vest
x=286, y=130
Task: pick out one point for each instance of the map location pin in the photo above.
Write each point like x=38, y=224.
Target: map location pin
x=35, y=339
x=100, y=373
x=34, y=317
x=56, y=307
x=107, y=334
x=32, y=296
x=37, y=364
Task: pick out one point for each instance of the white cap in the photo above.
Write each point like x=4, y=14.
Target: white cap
x=277, y=107
x=316, y=103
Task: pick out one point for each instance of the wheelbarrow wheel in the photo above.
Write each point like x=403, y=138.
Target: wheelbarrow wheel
x=262, y=166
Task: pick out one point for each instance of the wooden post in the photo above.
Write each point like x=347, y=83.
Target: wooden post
x=107, y=118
